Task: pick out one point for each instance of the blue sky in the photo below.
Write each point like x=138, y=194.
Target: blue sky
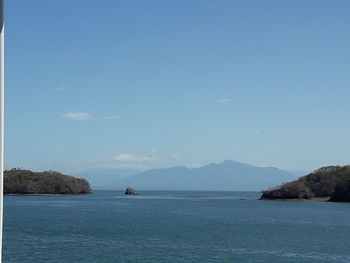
x=149, y=84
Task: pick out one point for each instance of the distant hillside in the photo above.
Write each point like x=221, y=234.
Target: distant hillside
x=18, y=181
x=226, y=176
x=325, y=182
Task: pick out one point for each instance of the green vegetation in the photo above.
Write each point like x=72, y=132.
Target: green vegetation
x=19, y=181
x=325, y=182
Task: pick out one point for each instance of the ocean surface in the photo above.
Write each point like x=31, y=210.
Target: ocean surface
x=173, y=227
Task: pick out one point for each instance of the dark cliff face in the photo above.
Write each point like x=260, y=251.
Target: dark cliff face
x=323, y=182
x=341, y=192
x=19, y=181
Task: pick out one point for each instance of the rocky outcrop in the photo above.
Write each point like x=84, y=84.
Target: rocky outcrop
x=292, y=190
x=324, y=182
x=130, y=191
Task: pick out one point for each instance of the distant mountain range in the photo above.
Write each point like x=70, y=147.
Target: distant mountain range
x=225, y=176
x=106, y=178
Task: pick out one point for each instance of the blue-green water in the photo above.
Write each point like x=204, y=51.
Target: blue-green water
x=173, y=227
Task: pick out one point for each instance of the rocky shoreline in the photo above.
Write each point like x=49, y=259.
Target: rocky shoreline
x=319, y=199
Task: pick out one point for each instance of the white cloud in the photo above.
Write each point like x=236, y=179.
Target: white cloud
x=225, y=100
x=77, y=115
x=101, y=79
x=266, y=165
x=107, y=117
x=194, y=165
x=125, y=157
x=87, y=116
x=62, y=88
x=152, y=151
x=174, y=157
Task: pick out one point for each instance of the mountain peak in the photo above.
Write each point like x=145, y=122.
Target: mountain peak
x=233, y=163
x=228, y=161
x=228, y=175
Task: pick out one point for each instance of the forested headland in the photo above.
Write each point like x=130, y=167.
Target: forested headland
x=329, y=181
x=22, y=182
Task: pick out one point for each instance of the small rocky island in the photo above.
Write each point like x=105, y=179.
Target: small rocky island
x=26, y=182
x=130, y=191
x=331, y=182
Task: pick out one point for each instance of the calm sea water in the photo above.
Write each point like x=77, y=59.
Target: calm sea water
x=173, y=227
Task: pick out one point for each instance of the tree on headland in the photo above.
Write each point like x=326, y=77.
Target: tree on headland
x=20, y=181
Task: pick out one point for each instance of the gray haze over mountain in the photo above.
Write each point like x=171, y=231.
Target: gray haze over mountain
x=106, y=178
x=299, y=173
x=226, y=176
